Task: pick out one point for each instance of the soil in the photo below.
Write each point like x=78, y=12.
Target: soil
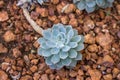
x=18, y=42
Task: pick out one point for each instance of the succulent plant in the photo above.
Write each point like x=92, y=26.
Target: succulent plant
x=42, y=1
x=91, y=5
x=61, y=46
x=21, y=2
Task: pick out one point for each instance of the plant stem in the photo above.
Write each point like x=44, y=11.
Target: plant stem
x=37, y=28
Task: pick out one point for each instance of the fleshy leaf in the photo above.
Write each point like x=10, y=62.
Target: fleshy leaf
x=40, y=2
x=79, y=47
x=72, y=53
x=60, y=44
x=73, y=44
x=59, y=27
x=65, y=48
x=40, y=51
x=66, y=61
x=75, y=32
x=63, y=55
x=62, y=29
x=61, y=37
x=67, y=41
x=52, y=66
x=46, y=53
x=59, y=65
x=100, y=2
x=55, y=50
x=47, y=34
x=81, y=5
x=73, y=63
x=82, y=39
x=56, y=26
x=89, y=9
x=54, y=33
x=41, y=40
x=90, y=3
x=48, y=61
x=76, y=38
x=79, y=56
x=51, y=44
x=55, y=59
x=70, y=34
x=68, y=28
x=111, y=1
x=44, y=46
x=107, y=5
x=75, y=1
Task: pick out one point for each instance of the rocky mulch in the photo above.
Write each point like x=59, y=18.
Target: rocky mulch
x=18, y=45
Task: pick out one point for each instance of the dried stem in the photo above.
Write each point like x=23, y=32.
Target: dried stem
x=32, y=22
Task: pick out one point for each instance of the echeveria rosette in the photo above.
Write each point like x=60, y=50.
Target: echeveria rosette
x=91, y=5
x=61, y=46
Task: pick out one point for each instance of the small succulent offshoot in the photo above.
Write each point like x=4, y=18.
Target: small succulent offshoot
x=91, y=5
x=22, y=2
x=61, y=46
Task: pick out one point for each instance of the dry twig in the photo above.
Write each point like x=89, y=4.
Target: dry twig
x=31, y=22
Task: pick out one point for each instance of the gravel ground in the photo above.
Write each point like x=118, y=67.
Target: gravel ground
x=18, y=45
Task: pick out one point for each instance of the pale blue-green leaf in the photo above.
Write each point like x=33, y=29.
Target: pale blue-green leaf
x=90, y=9
x=56, y=26
x=59, y=65
x=55, y=58
x=55, y=33
x=61, y=37
x=90, y=3
x=100, y=3
x=63, y=55
x=41, y=40
x=40, y=2
x=66, y=48
x=52, y=66
x=73, y=44
x=81, y=5
x=111, y=1
x=70, y=34
x=75, y=1
x=44, y=46
x=82, y=39
x=51, y=44
x=72, y=53
x=46, y=53
x=66, y=61
x=55, y=50
x=58, y=68
x=76, y=38
x=59, y=27
x=73, y=63
x=68, y=28
x=75, y=32
x=60, y=44
x=47, y=34
x=79, y=47
x=79, y=56
x=67, y=41
x=48, y=61
x=62, y=28
x=40, y=51
x=108, y=4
